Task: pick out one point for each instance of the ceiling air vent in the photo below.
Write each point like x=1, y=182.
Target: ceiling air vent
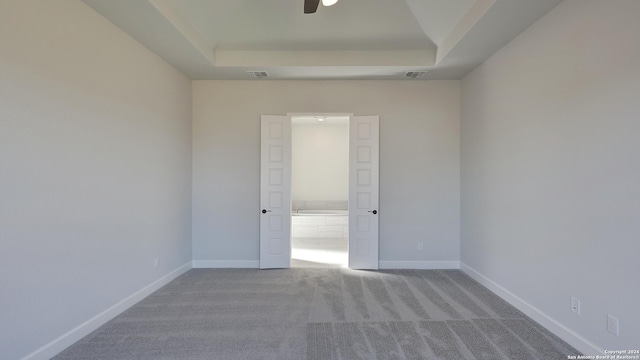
x=258, y=74
x=415, y=74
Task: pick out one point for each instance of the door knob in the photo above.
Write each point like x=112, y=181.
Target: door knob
x=264, y=211
x=374, y=212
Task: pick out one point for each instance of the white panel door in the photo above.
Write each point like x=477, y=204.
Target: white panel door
x=363, y=191
x=275, y=192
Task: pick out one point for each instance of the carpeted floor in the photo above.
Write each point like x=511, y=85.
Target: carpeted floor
x=319, y=314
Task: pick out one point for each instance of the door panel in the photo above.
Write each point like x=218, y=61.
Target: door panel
x=275, y=192
x=363, y=191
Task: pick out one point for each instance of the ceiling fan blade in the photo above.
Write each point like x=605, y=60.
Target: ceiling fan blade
x=310, y=6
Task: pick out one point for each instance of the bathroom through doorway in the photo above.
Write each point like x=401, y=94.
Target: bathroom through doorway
x=277, y=207
x=319, y=191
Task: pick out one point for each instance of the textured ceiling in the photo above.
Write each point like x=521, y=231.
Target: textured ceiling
x=354, y=39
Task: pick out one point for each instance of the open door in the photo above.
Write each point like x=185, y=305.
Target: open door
x=364, y=134
x=275, y=192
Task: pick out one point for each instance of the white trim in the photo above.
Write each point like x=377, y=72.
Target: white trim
x=421, y=265
x=229, y=264
x=320, y=114
x=56, y=346
x=424, y=57
x=577, y=341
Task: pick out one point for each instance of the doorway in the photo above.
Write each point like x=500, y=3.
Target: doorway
x=319, y=191
x=276, y=205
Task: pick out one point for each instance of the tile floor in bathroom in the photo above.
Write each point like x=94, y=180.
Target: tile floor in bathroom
x=319, y=240
x=319, y=252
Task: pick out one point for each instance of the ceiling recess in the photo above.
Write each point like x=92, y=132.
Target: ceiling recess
x=415, y=74
x=258, y=74
x=223, y=39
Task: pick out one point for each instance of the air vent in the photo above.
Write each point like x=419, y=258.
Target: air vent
x=415, y=74
x=258, y=74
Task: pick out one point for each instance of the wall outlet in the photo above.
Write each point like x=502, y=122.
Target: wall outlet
x=575, y=305
x=156, y=261
x=420, y=246
x=613, y=325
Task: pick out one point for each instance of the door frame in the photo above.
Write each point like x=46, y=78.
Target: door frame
x=320, y=114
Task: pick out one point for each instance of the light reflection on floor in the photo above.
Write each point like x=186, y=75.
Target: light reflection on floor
x=319, y=252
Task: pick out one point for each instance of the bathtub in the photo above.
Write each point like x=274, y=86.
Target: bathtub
x=320, y=223
x=305, y=212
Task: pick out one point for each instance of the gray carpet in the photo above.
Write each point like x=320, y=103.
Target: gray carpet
x=319, y=314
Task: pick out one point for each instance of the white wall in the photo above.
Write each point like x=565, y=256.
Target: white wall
x=419, y=161
x=95, y=171
x=320, y=162
x=550, y=175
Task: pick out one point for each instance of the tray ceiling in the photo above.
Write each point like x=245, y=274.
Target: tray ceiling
x=354, y=39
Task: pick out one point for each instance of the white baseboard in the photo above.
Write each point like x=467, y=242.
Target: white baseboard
x=254, y=264
x=56, y=346
x=572, y=338
x=420, y=265
x=229, y=264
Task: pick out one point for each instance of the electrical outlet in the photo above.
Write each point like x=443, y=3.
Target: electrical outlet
x=575, y=305
x=155, y=262
x=420, y=246
x=613, y=325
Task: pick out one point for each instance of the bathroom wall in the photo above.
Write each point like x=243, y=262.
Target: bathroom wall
x=320, y=165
